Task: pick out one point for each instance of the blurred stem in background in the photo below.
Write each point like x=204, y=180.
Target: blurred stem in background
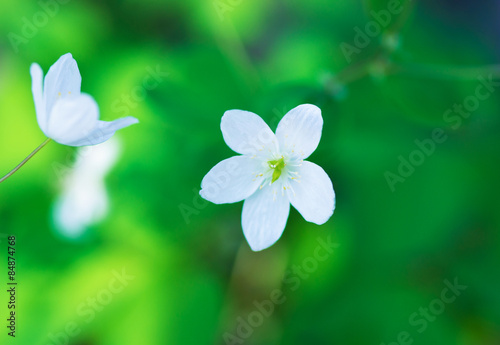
x=447, y=72
x=25, y=160
x=381, y=64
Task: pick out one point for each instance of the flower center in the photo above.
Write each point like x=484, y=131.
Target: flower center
x=277, y=165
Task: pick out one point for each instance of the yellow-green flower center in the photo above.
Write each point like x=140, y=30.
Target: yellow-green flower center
x=277, y=165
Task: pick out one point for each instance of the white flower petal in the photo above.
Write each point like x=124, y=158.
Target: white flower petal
x=84, y=199
x=299, y=131
x=264, y=217
x=81, y=206
x=246, y=133
x=62, y=80
x=313, y=196
x=36, y=88
x=103, y=131
x=72, y=119
x=232, y=180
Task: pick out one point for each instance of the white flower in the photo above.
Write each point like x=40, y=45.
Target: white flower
x=63, y=113
x=271, y=173
x=84, y=200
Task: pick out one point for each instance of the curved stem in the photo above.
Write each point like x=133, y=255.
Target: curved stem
x=25, y=160
x=362, y=69
x=448, y=72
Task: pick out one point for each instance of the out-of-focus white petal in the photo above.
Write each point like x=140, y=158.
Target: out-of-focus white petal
x=80, y=207
x=84, y=201
x=36, y=88
x=246, y=133
x=264, y=217
x=72, y=119
x=62, y=80
x=99, y=159
x=299, y=131
x=103, y=131
x=313, y=196
x=232, y=180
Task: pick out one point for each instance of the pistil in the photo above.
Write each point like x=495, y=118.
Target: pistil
x=277, y=165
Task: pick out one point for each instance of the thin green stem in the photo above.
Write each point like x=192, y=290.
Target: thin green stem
x=25, y=160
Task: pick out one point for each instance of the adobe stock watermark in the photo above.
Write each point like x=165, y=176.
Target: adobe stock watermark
x=292, y=280
x=138, y=93
x=421, y=319
x=31, y=26
x=88, y=310
x=224, y=178
x=224, y=6
x=454, y=116
x=381, y=20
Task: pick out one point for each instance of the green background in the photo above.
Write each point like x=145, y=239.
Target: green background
x=196, y=278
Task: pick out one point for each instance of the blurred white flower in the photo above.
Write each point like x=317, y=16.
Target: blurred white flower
x=271, y=173
x=84, y=200
x=63, y=113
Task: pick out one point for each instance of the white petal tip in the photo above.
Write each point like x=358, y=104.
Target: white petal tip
x=310, y=107
x=127, y=121
x=206, y=196
x=123, y=122
x=35, y=69
x=324, y=219
x=257, y=248
x=231, y=111
x=68, y=56
x=209, y=197
x=321, y=221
